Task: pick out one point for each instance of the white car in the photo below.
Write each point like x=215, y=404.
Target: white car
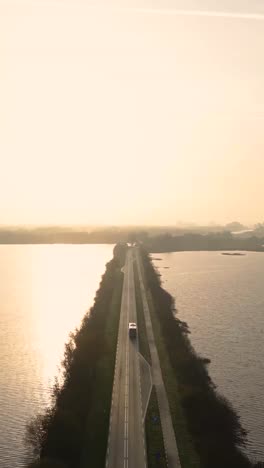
x=132, y=329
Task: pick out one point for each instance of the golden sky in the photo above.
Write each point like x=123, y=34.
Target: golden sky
x=125, y=115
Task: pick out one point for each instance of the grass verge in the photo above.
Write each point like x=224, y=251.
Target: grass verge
x=188, y=455
x=142, y=335
x=154, y=438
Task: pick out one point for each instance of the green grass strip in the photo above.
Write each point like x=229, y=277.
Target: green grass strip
x=154, y=439
x=188, y=455
x=142, y=335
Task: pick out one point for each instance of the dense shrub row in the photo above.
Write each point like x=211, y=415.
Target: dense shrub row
x=212, y=422
x=58, y=436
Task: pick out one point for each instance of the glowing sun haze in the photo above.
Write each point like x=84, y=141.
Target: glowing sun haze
x=131, y=116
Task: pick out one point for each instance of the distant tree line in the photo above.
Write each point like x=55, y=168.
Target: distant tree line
x=214, y=241
x=212, y=422
x=65, y=432
x=156, y=239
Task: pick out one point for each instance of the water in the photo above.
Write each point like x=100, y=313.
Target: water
x=222, y=300
x=44, y=293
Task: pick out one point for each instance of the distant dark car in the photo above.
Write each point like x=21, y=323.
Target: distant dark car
x=132, y=329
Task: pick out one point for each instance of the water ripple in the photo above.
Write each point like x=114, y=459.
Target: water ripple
x=221, y=298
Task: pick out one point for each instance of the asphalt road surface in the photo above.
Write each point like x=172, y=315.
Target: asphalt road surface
x=126, y=441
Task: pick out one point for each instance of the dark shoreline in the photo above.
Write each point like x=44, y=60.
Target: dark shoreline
x=212, y=422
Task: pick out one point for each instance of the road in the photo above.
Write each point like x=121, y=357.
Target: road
x=126, y=441
x=171, y=449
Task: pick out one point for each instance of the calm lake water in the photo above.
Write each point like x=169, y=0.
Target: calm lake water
x=222, y=300
x=44, y=293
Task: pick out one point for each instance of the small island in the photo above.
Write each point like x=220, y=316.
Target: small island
x=233, y=253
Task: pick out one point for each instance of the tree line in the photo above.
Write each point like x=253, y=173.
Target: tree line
x=213, y=241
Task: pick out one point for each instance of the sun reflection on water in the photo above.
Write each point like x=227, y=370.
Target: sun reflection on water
x=44, y=293
x=63, y=287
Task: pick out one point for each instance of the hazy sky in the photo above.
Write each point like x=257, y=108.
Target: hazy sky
x=129, y=115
